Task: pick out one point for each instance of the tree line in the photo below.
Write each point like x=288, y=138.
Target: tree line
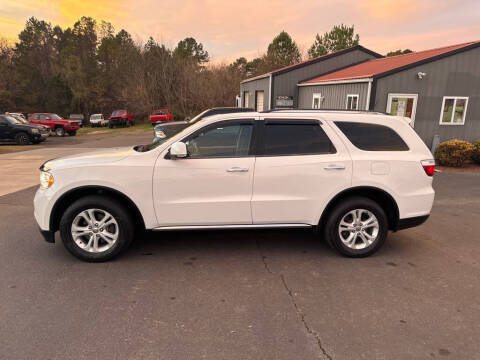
x=91, y=68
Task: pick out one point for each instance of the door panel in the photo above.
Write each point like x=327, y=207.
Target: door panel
x=213, y=185
x=296, y=188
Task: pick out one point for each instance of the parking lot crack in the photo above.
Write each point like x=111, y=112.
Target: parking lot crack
x=301, y=315
x=323, y=354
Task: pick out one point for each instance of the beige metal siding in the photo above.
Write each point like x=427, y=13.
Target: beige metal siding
x=334, y=96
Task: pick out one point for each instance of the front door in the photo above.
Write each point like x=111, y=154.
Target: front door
x=403, y=105
x=301, y=166
x=5, y=129
x=213, y=184
x=259, y=100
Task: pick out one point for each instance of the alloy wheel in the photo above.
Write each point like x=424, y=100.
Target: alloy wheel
x=95, y=230
x=358, y=229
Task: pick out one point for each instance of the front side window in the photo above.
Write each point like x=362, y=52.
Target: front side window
x=295, y=138
x=352, y=102
x=372, y=137
x=42, y=117
x=454, y=110
x=55, y=117
x=231, y=139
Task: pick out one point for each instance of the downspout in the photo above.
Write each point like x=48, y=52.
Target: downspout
x=270, y=93
x=369, y=92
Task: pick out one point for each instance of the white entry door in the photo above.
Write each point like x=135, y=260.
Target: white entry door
x=403, y=105
x=259, y=101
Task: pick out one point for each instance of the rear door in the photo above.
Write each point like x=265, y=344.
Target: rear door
x=213, y=185
x=300, y=166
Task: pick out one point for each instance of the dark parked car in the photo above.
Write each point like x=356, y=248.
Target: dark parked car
x=164, y=131
x=12, y=129
x=78, y=117
x=44, y=130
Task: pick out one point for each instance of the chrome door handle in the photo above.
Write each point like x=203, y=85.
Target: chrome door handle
x=334, y=167
x=237, y=169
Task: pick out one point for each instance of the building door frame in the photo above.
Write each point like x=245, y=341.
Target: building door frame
x=391, y=96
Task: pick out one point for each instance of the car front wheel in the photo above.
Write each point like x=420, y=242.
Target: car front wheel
x=22, y=139
x=356, y=227
x=96, y=228
x=60, y=131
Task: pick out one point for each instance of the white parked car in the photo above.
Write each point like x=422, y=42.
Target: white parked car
x=98, y=120
x=354, y=176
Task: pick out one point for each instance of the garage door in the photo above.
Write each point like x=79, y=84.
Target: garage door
x=259, y=101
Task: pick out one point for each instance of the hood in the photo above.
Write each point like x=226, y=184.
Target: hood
x=89, y=158
x=28, y=126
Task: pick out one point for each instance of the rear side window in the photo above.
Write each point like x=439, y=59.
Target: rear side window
x=291, y=138
x=372, y=137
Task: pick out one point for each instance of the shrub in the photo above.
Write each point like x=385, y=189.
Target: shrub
x=454, y=152
x=476, y=151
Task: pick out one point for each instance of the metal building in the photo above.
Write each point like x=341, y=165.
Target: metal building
x=278, y=89
x=438, y=89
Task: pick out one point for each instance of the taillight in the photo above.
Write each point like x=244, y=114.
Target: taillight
x=428, y=166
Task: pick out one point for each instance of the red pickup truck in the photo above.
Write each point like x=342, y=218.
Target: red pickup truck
x=160, y=116
x=120, y=117
x=56, y=123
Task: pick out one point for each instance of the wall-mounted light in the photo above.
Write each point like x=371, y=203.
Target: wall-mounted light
x=421, y=75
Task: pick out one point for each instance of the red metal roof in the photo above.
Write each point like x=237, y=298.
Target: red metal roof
x=374, y=67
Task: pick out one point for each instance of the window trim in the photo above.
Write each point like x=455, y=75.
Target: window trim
x=251, y=150
x=398, y=95
x=352, y=96
x=319, y=97
x=455, y=98
x=260, y=143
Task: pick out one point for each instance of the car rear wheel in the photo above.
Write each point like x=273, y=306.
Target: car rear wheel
x=22, y=139
x=356, y=227
x=96, y=228
x=60, y=131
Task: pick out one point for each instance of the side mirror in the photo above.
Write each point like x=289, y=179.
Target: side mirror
x=178, y=150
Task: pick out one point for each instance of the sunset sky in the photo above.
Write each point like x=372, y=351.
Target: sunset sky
x=230, y=29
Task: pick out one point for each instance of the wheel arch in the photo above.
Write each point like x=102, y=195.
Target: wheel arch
x=381, y=197
x=74, y=194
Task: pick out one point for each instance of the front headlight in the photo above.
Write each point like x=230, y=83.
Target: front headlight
x=46, y=179
x=160, y=134
x=34, y=131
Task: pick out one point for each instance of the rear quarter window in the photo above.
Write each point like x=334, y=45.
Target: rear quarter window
x=372, y=137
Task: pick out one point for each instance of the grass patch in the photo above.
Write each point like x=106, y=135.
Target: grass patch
x=145, y=127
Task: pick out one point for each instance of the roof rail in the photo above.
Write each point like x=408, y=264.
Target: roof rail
x=327, y=110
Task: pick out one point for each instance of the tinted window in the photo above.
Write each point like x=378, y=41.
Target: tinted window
x=371, y=137
x=3, y=121
x=221, y=140
x=289, y=138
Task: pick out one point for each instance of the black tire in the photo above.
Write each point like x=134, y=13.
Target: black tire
x=72, y=133
x=132, y=122
x=116, y=209
x=22, y=138
x=331, y=230
x=110, y=126
x=60, y=131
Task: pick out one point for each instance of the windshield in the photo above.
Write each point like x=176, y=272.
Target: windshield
x=119, y=112
x=12, y=120
x=198, y=117
x=21, y=119
x=159, y=112
x=55, y=117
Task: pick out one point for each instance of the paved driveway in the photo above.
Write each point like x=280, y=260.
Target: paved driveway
x=247, y=295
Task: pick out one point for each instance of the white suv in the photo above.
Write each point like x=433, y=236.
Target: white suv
x=354, y=176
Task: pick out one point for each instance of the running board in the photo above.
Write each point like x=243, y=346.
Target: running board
x=231, y=227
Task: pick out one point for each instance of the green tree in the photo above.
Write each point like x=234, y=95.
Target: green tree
x=339, y=38
x=282, y=51
x=399, y=52
x=188, y=49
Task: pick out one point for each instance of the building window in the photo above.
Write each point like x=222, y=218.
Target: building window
x=454, y=109
x=352, y=102
x=317, y=99
x=403, y=105
x=246, y=99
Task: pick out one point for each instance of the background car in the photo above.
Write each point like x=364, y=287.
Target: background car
x=164, y=131
x=78, y=117
x=161, y=116
x=121, y=117
x=56, y=123
x=12, y=129
x=98, y=120
x=44, y=130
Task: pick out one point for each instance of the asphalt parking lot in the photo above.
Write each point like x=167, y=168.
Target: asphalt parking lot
x=244, y=294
